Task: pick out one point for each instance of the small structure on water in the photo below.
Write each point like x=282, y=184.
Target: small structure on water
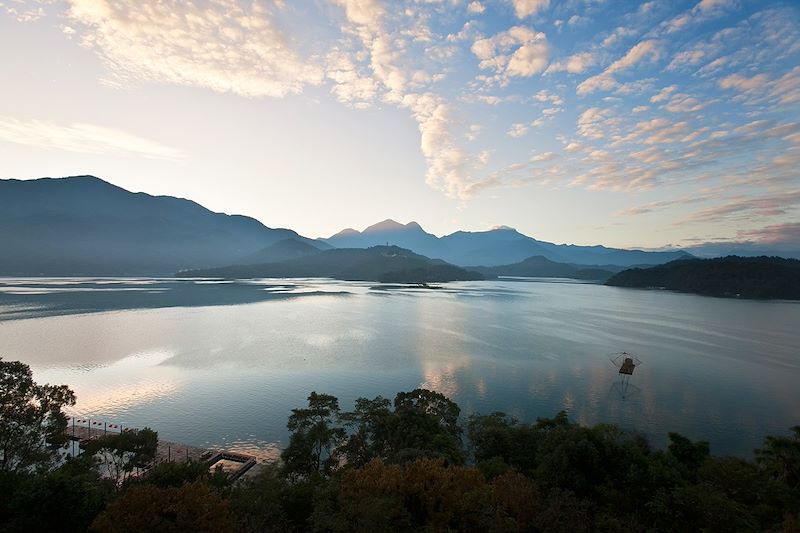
x=626, y=363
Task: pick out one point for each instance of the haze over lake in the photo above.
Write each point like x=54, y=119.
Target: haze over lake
x=222, y=364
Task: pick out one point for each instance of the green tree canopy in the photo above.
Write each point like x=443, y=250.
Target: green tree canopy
x=32, y=423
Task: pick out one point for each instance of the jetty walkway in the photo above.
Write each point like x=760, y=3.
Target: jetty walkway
x=233, y=463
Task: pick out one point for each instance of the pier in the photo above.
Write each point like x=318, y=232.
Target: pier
x=233, y=463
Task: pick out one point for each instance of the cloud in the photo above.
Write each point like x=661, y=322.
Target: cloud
x=663, y=94
x=776, y=234
x=683, y=103
x=760, y=88
x=619, y=33
x=592, y=121
x=526, y=8
x=518, y=130
x=574, y=64
x=687, y=58
x=23, y=14
x=366, y=13
x=746, y=207
x=743, y=83
x=529, y=56
x=83, y=138
x=648, y=50
x=702, y=11
x=221, y=45
x=547, y=156
x=350, y=85
x=476, y=7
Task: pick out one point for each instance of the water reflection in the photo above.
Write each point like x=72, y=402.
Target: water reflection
x=223, y=364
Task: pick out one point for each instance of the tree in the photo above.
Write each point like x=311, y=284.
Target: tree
x=32, y=423
x=191, y=507
x=71, y=496
x=425, y=424
x=316, y=434
x=423, y=495
x=688, y=453
x=121, y=453
x=370, y=439
x=780, y=456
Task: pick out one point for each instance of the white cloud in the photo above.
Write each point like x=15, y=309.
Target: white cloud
x=526, y=8
x=648, y=50
x=591, y=122
x=687, y=58
x=529, y=56
x=518, y=130
x=703, y=10
x=683, y=103
x=367, y=13
x=547, y=156
x=21, y=13
x=743, y=83
x=617, y=35
x=83, y=138
x=221, y=46
x=574, y=64
x=476, y=7
x=545, y=96
x=350, y=85
x=663, y=94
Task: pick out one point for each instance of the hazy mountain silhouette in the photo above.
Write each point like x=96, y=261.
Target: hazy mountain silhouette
x=282, y=251
x=541, y=267
x=377, y=263
x=410, y=236
x=501, y=246
x=83, y=225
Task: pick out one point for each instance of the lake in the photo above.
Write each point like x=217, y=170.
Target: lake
x=221, y=364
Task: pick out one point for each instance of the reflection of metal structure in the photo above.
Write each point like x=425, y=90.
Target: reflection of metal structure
x=626, y=363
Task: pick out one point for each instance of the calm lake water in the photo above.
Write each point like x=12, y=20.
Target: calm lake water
x=222, y=364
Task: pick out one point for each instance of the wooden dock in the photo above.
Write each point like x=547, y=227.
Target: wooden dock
x=235, y=464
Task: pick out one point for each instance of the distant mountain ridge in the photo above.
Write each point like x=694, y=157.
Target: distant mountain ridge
x=82, y=225
x=390, y=264
x=500, y=246
x=541, y=267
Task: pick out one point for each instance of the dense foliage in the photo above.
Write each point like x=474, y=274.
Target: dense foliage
x=414, y=464
x=732, y=276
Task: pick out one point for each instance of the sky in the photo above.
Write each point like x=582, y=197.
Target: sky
x=631, y=124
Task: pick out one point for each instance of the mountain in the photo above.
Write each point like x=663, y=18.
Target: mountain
x=83, y=225
x=500, y=246
x=732, y=276
x=410, y=236
x=377, y=263
x=541, y=267
x=281, y=251
x=789, y=249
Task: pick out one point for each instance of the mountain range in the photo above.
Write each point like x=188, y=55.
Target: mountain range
x=83, y=225
x=500, y=246
x=388, y=264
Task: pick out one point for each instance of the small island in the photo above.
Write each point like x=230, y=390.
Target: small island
x=731, y=277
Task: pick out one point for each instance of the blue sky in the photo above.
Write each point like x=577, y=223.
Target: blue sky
x=648, y=124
